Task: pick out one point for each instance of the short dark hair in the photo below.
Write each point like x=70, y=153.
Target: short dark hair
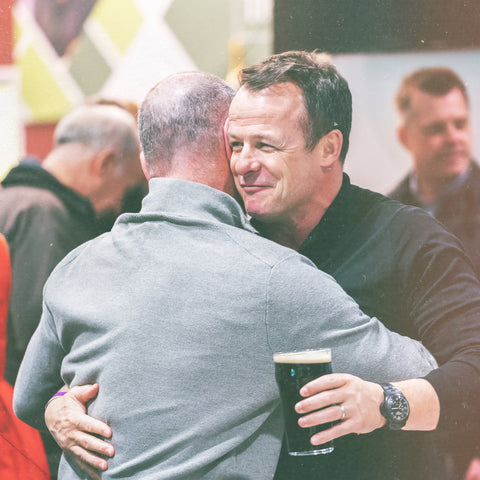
x=436, y=81
x=328, y=100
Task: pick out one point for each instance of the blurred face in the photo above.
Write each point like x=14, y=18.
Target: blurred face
x=275, y=174
x=437, y=133
x=118, y=181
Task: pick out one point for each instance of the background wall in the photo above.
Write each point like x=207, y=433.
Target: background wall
x=122, y=47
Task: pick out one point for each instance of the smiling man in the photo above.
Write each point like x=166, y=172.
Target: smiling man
x=289, y=125
x=277, y=176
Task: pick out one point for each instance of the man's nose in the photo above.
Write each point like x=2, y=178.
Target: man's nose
x=245, y=162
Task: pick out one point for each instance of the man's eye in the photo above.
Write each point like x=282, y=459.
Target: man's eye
x=434, y=129
x=460, y=124
x=236, y=146
x=265, y=147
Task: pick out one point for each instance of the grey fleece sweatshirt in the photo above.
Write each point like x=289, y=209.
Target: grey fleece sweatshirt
x=176, y=314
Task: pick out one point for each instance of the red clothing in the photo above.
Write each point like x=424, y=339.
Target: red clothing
x=22, y=455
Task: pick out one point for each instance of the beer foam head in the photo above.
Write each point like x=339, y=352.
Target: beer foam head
x=323, y=355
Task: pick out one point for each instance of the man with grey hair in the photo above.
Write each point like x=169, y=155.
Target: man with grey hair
x=47, y=210
x=185, y=305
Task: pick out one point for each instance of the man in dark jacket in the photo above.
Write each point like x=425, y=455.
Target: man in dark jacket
x=435, y=129
x=445, y=181
x=48, y=209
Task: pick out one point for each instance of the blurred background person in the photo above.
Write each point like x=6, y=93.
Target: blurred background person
x=445, y=180
x=435, y=128
x=132, y=199
x=47, y=210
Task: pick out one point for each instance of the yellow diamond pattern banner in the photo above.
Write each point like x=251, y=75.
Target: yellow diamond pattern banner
x=120, y=20
x=53, y=82
x=45, y=92
x=66, y=51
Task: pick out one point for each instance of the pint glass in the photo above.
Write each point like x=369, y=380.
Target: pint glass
x=292, y=371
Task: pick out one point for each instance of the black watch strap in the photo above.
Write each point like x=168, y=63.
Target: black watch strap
x=394, y=408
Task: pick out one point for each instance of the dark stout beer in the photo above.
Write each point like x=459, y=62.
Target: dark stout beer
x=292, y=371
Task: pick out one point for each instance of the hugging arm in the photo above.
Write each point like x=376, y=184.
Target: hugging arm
x=77, y=433
x=307, y=309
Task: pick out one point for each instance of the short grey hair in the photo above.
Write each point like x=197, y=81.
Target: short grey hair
x=99, y=126
x=183, y=111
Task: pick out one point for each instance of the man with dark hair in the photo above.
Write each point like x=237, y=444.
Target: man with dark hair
x=396, y=261
x=435, y=128
x=186, y=300
x=288, y=138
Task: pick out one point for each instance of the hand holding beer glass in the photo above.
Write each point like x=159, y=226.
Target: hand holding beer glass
x=293, y=370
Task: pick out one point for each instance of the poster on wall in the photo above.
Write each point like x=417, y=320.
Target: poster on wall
x=71, y=49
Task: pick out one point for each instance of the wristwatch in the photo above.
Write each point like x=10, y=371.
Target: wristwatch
x=395, y=407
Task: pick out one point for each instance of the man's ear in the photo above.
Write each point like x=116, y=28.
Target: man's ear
x=329, y=148
x=103, y=162
x=402, y=136
x=143, y=163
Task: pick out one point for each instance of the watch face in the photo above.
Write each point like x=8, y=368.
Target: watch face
x=398, y=407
